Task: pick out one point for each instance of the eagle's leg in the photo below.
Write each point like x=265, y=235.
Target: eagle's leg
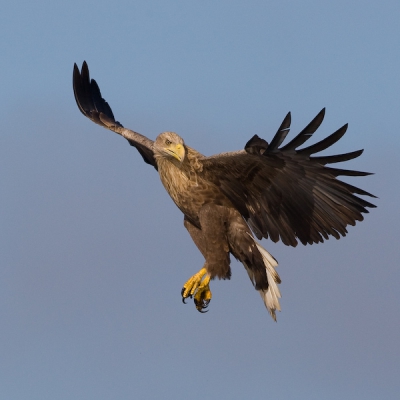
x=198, y=286
x=211, y=240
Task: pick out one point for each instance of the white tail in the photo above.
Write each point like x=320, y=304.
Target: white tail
x=272, y=295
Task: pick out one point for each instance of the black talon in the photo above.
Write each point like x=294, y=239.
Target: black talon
x=183, y=298
x=202, y=305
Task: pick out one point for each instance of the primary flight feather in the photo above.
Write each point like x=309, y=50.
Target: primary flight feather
x=272, y=191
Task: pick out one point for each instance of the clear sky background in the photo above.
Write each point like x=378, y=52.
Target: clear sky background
x=93, y=252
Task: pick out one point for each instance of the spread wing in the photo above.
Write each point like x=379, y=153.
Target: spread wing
x=93, y=106
x=285, y=193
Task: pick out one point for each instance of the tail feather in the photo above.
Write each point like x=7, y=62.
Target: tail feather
x=271, y=295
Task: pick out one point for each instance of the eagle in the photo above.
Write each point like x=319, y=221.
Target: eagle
x=232, y=200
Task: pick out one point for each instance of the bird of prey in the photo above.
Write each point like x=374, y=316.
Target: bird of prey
x=266, y=190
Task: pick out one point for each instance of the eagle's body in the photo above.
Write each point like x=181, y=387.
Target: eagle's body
x=282, y=193
x=183, y=182
x=210, y=217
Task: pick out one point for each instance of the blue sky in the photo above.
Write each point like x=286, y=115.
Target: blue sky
x=93, y=253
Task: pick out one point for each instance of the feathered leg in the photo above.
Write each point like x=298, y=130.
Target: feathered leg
x=211, y=240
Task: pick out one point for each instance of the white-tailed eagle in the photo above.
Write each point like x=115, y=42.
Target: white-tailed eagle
x=268, y=190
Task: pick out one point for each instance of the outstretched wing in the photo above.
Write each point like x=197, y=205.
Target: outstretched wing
x=285, y=193
x=93, y=106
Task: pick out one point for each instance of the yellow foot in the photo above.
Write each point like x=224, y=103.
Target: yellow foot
x=198, y=286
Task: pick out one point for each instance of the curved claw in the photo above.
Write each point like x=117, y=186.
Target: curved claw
x=202, y=305
x=183, y=297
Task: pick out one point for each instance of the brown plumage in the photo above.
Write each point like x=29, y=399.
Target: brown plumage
x=282, y=193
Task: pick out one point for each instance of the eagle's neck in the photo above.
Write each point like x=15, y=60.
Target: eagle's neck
x=174, y=175
x=180, y=181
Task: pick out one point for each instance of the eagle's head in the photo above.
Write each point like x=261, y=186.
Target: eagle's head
x=171, y=146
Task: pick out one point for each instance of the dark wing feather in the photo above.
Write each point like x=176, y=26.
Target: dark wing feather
x=337, y=158
x=259, y=146
x=285, y=194
x=323, y=144
x=306, y=133
x=281, y=134
x=93, y=106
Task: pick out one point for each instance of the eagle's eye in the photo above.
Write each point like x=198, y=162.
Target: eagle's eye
x=167, y=142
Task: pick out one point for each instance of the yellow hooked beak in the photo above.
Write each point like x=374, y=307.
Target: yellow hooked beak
x=177, y=151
